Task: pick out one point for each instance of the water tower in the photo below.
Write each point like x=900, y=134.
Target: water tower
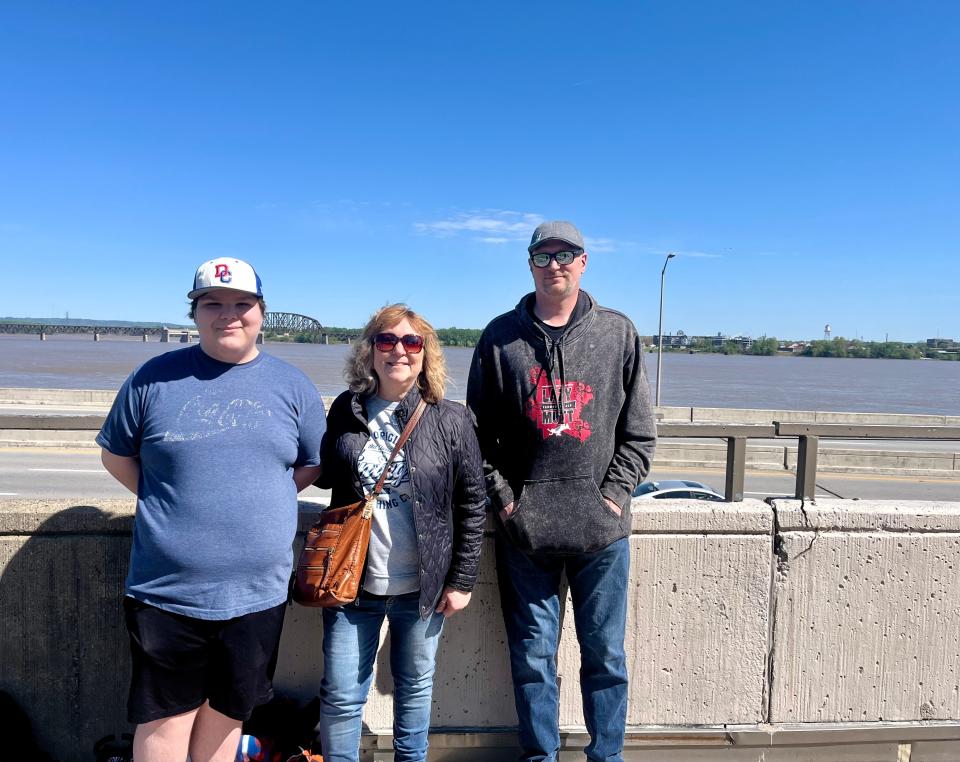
x=826, y=332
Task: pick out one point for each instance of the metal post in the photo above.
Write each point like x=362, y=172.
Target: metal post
x=806, y=487
x=663, y=273
x=736, y=465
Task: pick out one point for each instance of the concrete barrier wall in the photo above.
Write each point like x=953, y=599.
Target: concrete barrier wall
x=754, y=631
x=98, y=398
x=697, y=628
x=867, y=625
x=62, y=642
x=102, y=399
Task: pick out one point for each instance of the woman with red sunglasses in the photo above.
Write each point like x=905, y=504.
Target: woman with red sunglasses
x=427, y=528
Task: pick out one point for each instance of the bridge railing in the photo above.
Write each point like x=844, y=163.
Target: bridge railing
x=735, y=435
x=809, y=436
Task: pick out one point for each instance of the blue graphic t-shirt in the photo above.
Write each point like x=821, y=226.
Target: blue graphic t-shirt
x=216, y=504
x=393, y=561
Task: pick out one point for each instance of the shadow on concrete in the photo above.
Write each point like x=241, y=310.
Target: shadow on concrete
x=66, y=663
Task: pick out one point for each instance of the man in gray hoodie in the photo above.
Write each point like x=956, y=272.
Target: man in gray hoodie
x=560, y=394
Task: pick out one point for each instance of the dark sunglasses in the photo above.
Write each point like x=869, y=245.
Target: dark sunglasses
x=542, y=259
x=385, y=342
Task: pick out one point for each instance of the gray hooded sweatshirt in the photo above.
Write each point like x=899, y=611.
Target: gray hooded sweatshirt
x=562, y=424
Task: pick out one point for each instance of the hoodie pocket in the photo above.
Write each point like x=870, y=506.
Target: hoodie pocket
x=563, y=516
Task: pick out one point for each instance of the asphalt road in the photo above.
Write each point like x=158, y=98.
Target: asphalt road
x=58, y=473
x=763, y=484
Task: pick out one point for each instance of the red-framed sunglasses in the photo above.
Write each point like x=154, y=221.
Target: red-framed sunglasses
x=385, y=342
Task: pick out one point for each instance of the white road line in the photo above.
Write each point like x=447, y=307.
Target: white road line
x=782, y=496
x=70, y=470
x=14, y=494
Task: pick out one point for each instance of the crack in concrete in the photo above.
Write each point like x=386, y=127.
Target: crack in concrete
x=806, y=521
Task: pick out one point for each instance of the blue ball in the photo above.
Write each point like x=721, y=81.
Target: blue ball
x=249, y=750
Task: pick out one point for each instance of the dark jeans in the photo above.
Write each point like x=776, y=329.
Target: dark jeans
x=529, y=593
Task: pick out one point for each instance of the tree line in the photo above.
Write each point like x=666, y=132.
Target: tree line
x=894, y=350
x=836, y=347
x=449, y=337
x=762, y=346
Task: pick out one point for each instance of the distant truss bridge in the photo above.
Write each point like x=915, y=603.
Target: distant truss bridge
x=291, y=322
x=279, y=322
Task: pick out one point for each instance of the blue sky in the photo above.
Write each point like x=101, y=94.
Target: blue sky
x=802, y=158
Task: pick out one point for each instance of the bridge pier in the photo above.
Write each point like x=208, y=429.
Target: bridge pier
x=96, y=335
x=171, y=335
x=146, y=337
x=43, y=335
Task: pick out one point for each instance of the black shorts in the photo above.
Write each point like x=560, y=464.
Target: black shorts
x=180, y=662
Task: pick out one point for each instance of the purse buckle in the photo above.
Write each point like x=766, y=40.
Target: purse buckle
x=368, y=507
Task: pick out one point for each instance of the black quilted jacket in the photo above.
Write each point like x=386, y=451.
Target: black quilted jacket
x=446, y=472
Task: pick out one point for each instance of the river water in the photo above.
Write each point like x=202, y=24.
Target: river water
x=701, y=380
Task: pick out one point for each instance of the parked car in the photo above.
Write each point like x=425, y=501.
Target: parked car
x=676, y=489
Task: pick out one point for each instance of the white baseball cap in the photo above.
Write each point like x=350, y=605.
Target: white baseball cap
x=226, y=272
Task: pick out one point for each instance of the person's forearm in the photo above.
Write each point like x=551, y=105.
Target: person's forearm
x=304, y=476
x=125, y=470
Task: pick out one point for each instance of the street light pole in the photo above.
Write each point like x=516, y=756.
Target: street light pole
x=663, y=273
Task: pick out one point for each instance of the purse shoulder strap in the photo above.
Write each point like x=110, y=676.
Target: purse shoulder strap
x=414, y=419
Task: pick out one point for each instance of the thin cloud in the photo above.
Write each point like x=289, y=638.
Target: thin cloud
x=490, y=226
x=498, y=227
x=701, y=254
x=601, y=245
x=683, y=253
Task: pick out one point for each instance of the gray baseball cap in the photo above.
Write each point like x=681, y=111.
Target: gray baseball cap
x=558, y=230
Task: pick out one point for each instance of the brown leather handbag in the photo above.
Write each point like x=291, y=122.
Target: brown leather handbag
x=331, y=563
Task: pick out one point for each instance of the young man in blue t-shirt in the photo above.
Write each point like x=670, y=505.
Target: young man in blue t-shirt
x=215, y=440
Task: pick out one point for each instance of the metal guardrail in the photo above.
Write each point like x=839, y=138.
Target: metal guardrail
x=809, y=435
x=736, y=436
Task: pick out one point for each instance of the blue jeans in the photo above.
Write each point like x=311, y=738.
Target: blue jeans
x=529, y=594
x=351, y=635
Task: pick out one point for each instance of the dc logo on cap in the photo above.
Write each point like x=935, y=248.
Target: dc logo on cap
x=223, y=273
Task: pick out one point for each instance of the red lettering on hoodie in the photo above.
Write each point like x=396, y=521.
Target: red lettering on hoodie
x=557, y=410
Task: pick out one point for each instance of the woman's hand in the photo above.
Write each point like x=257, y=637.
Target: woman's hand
x=452, y=601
